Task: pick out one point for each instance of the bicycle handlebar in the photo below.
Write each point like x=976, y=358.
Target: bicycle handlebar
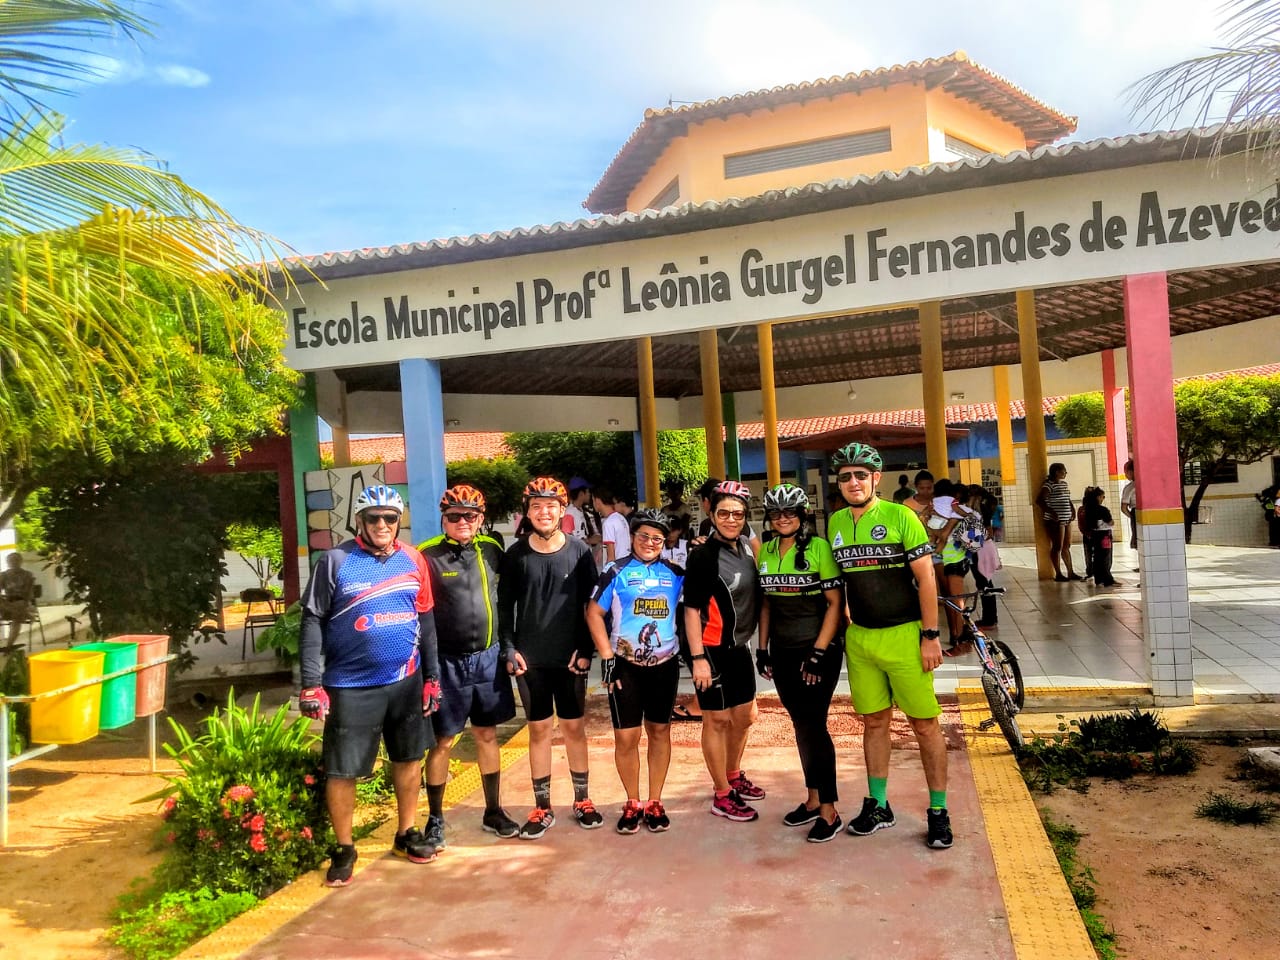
x=987, y=592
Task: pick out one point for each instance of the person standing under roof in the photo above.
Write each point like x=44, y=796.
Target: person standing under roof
x=369, y=669
x=892, y=644
x=464, y=566
x=614, y=533
x=904, y=491
x=639, y=665
x=543, y=588
x=1057, y=514
x=800, y=647
x=722, y=604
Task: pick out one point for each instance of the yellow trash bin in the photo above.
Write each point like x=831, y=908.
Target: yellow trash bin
x=71, y=717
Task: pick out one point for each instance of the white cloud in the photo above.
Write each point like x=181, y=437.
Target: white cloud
x=176, y=75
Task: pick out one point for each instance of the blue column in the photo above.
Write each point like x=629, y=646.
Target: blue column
x=423, y=409
x=637, y=445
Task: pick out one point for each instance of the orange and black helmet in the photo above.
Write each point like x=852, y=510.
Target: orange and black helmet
x=546, y=487
x=462, y=495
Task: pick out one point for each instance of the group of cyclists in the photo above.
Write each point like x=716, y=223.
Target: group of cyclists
x=453, y=622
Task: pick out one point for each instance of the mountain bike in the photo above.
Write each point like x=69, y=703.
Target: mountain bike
x=1001, y=675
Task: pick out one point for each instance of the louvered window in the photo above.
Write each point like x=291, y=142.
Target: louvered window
x=963, y=149
x=669, y=195
x=807, y=154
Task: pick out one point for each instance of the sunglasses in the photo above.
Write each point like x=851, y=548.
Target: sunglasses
x=860, y=475
x=731, y=515
x=463, y=517
x=785, y=514
x=653, y=538
x=390, y=519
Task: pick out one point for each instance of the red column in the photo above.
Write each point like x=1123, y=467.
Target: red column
x=1155, y=427
x=1113, y=408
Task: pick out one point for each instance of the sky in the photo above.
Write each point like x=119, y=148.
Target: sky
x=339, y=124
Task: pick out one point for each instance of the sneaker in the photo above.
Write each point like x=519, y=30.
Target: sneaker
x=540, y=821
x=498, y=822
x=939, y=836
x=872, y=818
x=731, y=807
x=800, y=816
x=413, y=846
x=588, y=817
x=435, y=832
x=821, y=831
x=744, y=788
x=632, y=814
x=655, y=817
x=341, y=866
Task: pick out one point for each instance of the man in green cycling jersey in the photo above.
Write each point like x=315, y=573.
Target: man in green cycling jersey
x=892, y=644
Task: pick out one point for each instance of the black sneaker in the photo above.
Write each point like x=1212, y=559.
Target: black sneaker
x=435, y=832
x=498, y=822
x=341, y=866
x=872, y=818
x=655, y=817
x=588, y=817
x=540, y=821
x=821, y=831
x=413, y=846
x=939, y=836
x=800, y=816
x=632, y=814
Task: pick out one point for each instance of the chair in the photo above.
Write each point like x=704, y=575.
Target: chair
x=253, y=622
x=32, y=619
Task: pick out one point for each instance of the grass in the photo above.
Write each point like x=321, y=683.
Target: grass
x=1065, y=840
x=1223, y=808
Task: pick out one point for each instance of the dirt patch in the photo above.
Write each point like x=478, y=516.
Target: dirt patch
x=1170, y=883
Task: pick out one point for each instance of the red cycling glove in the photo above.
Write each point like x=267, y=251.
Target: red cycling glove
x=313, y=702
x=430, y=696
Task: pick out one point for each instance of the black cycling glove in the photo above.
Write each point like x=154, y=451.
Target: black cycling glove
x=764, y=663
x=607, y=666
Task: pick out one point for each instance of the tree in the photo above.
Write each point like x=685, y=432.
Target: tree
x=682, y=457
x=1082, y=415
x=261, y=549
x=99, y=249
x=501, y=480
x=1237, y=84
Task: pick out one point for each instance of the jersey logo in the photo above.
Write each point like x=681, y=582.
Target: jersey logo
x=737, y=579
x=879, y=531
x=364, y=623
x=839, y=540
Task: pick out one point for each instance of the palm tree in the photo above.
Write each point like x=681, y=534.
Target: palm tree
x=1237, y=84
x=77, y=223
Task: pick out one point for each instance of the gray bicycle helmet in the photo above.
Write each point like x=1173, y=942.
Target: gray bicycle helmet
x=650, y=518
x=786, y=496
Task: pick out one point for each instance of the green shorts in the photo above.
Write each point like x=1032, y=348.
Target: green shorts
x=885, y=668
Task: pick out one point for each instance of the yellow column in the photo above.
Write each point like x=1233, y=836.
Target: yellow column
x=769, y=405
x=648, y=422
x=1033, y=398
x=1004, y=426
x=935, y=418
x=712, y=417
x=341, y=434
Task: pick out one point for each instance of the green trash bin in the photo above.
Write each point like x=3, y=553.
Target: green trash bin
x=118, y=695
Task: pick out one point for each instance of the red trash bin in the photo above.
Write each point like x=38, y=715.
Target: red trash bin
x=151, y=682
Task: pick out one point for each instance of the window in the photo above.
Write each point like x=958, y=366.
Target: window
x=963, y=149
x=669, y=195
x=1193, y=472
x=807, y=154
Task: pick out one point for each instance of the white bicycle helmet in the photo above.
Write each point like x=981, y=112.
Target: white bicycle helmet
x=379, y=495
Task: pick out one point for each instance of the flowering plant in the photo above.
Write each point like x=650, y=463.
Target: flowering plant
x=246, y=812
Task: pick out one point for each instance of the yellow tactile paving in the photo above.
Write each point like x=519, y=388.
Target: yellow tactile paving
x=273, y=913
x=1043, y=920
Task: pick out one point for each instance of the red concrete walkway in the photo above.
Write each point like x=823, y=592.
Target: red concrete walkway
x=707, y=889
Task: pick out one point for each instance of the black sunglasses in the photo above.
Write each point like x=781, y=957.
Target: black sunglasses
x=388, y=518
x=463, y=517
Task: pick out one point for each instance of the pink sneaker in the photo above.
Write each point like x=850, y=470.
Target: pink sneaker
x=744, y=788
x=732, y=808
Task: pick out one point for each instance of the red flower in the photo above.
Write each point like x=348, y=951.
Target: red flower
x=202, y=834
x=170, y=837
x=256, y=823
x=258, y=843
x=309, y=780
x=306, y=833
x=166, y=811
x=239, y=792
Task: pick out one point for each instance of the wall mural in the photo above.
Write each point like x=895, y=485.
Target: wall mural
x=331, y=493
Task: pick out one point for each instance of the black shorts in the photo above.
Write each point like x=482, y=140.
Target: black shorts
x=475, y=687
x=544, y=690
x=957, y=569
x=733, y=678
x=360, y=717
x=647, y=694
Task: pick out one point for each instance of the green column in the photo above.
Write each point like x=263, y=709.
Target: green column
x=732, y=462
x=304, y=436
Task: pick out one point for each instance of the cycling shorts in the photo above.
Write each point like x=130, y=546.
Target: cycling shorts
x=885, y=668
x=547, y=690
x=647, y=694
x=360, y=717
x=475, y=687
x=733, y=678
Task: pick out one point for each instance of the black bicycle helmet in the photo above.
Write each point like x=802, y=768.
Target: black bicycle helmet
x=650, y=518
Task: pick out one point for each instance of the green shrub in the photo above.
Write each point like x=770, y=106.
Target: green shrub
x=1115, y=746
x=284, y=636
x=15, y=680
x=1237, y=813
x=1138, y=730
x=1065, y=839
x=247, y=812
x=167, y=926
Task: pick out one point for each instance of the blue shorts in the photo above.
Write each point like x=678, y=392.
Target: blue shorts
x=475, y=687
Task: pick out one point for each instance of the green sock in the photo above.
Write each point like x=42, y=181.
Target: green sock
x=879, y=789
x=937, y=799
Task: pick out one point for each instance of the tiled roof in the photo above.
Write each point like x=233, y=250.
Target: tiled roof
x=956, y=74
x=1043, y=162
x=457, y=446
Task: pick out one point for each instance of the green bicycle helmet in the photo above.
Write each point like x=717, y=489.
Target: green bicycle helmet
x=858, y=455
x=786, y=496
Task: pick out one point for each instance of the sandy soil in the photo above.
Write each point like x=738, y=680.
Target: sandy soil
x=1172, y=884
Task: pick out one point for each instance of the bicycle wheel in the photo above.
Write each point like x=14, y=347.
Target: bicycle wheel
x=999, y=701
x=1007, y=664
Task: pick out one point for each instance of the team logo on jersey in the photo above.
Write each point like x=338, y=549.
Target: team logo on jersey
x=366, y=622
x=879, y=531
x=839, y=540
